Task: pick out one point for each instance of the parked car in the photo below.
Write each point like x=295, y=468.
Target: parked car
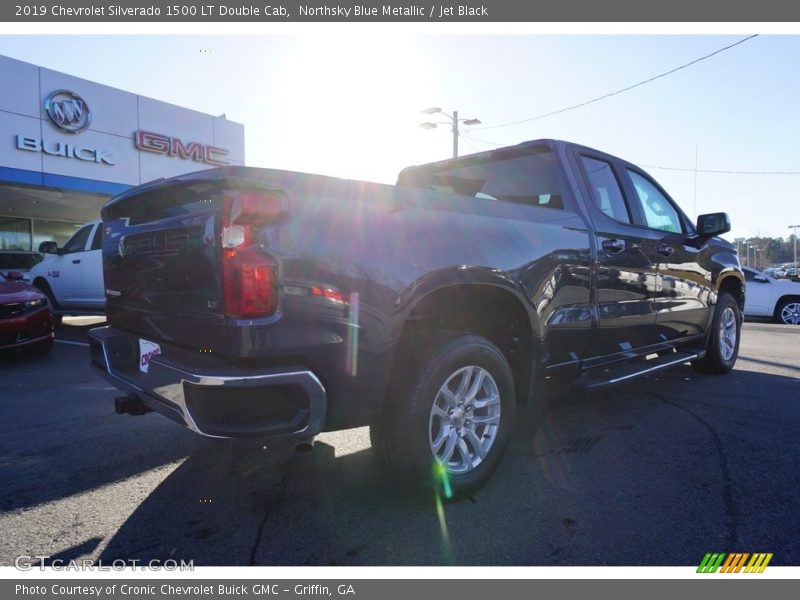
x=25, y=316
x=775, y=272
x=248, y=302
x=72, y=276
x=773, y=298
x=21, y=261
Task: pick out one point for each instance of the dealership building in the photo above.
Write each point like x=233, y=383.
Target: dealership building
x=68, y=144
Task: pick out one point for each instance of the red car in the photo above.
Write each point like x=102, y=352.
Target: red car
x=26, y=320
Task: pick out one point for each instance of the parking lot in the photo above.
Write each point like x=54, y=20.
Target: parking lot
x=657, y=472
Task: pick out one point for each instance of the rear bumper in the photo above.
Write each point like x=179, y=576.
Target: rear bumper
x=209, y=396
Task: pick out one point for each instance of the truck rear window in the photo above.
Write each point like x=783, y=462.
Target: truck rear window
x=528, y=178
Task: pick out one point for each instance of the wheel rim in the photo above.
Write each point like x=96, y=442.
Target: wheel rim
x=465, y=419
x=790, y=314
x=727, y=334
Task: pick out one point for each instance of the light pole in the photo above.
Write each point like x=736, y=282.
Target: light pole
x=454, y=121
x=795, y=248
x=755, y=256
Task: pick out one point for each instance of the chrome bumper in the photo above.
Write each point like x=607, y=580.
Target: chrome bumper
x=209, y=396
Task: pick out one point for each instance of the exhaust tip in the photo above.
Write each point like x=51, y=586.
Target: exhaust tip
x=130, y=405
x=304, y=446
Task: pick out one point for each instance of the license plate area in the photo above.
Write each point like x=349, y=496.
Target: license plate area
x=147, y=350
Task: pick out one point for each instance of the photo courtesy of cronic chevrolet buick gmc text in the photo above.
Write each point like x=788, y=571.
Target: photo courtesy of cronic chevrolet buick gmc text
x=255, y=302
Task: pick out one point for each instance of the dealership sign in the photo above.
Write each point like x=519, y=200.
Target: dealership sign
x=158, y=143
x=64, y=149
x=68, y=111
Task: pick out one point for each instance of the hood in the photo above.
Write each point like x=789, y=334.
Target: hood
x=12, y=292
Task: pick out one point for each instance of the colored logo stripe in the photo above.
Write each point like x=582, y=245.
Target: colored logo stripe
x=758, y=563
x=734, y=562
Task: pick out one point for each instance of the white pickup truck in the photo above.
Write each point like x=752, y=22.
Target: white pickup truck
x=72, y=276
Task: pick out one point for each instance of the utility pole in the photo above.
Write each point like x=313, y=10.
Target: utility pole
x=455, y=134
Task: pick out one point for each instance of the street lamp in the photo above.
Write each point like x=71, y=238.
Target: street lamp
x=795, y=248
x=755, y=256
x=454, y=121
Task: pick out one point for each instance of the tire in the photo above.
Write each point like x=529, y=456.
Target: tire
x=439, y=433
x=722, y=348
x=788, y=311
x=43, y=287
x=42, y=348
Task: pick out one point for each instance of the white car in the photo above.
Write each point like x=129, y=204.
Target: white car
x=768, y=297
x=72, y=276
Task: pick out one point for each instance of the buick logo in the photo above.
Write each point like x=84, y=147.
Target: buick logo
x=68, y=111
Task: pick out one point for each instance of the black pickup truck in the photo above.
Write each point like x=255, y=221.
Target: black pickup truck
x=247, y=302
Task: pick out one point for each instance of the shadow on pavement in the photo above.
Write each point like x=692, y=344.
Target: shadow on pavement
x=597, y=480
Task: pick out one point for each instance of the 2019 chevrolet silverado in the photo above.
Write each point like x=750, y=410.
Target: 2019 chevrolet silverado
x=255, y=302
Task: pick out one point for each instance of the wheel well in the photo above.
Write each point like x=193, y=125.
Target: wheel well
x=484, y=310
x=734, y=287
x=784, y=298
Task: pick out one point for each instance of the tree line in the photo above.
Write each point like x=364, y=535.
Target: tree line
x=765, y=252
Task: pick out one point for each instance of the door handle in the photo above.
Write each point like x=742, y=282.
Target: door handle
x=665, y=250
x=76, y=261
x=614, y=246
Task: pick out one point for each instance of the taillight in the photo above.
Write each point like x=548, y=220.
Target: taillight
x=249, y=278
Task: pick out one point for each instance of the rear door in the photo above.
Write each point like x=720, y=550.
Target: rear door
x=626, y=276
x=684, y=284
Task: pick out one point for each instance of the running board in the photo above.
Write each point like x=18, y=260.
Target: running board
x=615, y=375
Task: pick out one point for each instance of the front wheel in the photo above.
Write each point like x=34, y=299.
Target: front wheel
x=722, y=348
x=448, y=423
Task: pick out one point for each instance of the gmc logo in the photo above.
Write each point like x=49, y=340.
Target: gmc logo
x=158, y=143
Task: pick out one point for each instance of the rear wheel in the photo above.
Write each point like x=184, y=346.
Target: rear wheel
x=722, y=348
x=788, y=311
x=448, y=422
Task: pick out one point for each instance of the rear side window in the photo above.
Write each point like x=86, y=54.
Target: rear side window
x=606, y=191
x=529, y=178
x=77, y=243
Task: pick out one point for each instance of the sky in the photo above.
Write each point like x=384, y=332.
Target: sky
x=347, y=103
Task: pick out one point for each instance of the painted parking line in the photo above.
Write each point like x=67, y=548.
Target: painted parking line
x=85, y=345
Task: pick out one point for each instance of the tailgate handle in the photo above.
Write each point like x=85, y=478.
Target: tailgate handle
x=614, y=246
x=76, y=261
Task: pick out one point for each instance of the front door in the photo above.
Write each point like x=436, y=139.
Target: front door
x=684, y=286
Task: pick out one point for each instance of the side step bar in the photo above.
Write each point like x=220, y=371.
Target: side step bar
x=615, y=375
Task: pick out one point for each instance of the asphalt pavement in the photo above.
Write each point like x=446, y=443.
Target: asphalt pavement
x=656, y=472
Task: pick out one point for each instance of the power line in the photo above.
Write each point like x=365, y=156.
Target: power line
x=722, y=171
x=620, y=91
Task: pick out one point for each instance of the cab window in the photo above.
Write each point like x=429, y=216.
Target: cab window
x=77, y=243
x=657, y=210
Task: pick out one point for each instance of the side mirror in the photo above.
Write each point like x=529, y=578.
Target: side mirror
x=760, y=279
x=14, y=276
x=713, y=224
x=48, y=248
